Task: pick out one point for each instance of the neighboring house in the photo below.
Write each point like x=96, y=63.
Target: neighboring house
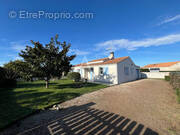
x=168, y=66
x=160, y=70
x=109, y=70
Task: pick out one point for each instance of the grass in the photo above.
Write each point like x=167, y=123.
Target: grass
x=167, y=78
x=178, y=95
x=28, y=97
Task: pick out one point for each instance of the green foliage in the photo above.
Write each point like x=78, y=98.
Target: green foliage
x=144, y=70
x=49, y=60
x=167, y=78
x=74, y=76
x=178, y=95
x=22, y=69
x=27, y=97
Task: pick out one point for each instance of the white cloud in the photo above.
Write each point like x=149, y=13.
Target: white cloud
x=18, y=58
x=19, y=45
x=170, y=19
x=134, y=44
x=78, y=52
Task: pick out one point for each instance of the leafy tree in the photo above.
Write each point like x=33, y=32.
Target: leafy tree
x=21, y=68
x=50, y=60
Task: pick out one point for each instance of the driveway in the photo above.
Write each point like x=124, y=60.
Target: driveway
x=144, y=107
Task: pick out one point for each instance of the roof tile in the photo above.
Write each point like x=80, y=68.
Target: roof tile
x=105, y=61
x=167, y=64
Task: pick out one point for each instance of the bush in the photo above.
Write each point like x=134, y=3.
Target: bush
x=75, y=76
x=144, y=70
x=178, y=95
x=167, y=78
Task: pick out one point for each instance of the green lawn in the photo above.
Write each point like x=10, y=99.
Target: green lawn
x=30, y=96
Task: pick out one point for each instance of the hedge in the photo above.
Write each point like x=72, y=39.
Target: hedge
x=75, y=76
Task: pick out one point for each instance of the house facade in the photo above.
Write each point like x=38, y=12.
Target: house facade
x=160, y=70
x=109, y=70
x=165, y=67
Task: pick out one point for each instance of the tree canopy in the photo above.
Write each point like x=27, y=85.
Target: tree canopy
x=22, y=69
x=49, y=60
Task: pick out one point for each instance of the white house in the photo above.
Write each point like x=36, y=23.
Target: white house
x=109, y=70
x=160, y=70
x=168, y=66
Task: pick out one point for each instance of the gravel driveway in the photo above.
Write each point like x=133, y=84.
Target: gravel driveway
x=144, y=107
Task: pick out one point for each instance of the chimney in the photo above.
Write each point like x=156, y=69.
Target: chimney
x=111, y=56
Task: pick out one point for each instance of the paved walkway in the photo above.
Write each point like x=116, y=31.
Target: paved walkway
x=144, y=107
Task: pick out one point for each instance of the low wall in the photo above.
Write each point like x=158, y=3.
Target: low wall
x=175, y=80
x=158, y=75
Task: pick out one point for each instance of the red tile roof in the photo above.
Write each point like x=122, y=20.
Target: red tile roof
x=105, y=61
x=167, y=64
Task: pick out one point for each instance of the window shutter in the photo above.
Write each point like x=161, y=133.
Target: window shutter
x=105, y=70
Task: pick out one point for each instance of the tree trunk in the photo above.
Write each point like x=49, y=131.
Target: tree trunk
x=47, y=84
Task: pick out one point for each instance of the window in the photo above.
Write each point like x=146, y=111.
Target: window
x=92, y=69
x=101, y=70
x=126, y=70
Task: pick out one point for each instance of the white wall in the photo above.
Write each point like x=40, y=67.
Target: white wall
x=116, y=74
x=111, y=76
x=133, y=75
x=175, y=67
x=158, y=75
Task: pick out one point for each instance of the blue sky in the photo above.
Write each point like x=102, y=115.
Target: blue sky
x=146, y=30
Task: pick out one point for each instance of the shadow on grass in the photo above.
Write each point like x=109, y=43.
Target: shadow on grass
x=16, y=105
x=33, y=85
x=76, y=85
x=85, y=119
x=43, y=99
x=10, y=109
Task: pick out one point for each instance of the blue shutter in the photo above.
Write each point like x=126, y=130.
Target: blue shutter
x=105, y=70
x=90, y=75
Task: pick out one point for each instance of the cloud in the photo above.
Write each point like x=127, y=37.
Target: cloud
x=114, y=45
x=19, y=45
x=170, y=19
x=78, y=52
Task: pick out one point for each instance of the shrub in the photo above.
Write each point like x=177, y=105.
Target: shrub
x=178, y=95
x=144, y=70
x=167, y=78
x=75, y=76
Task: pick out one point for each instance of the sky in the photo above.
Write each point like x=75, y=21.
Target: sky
x=146, y=30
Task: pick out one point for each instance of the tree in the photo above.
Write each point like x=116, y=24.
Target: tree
x=50, y=60
x=21, y=68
